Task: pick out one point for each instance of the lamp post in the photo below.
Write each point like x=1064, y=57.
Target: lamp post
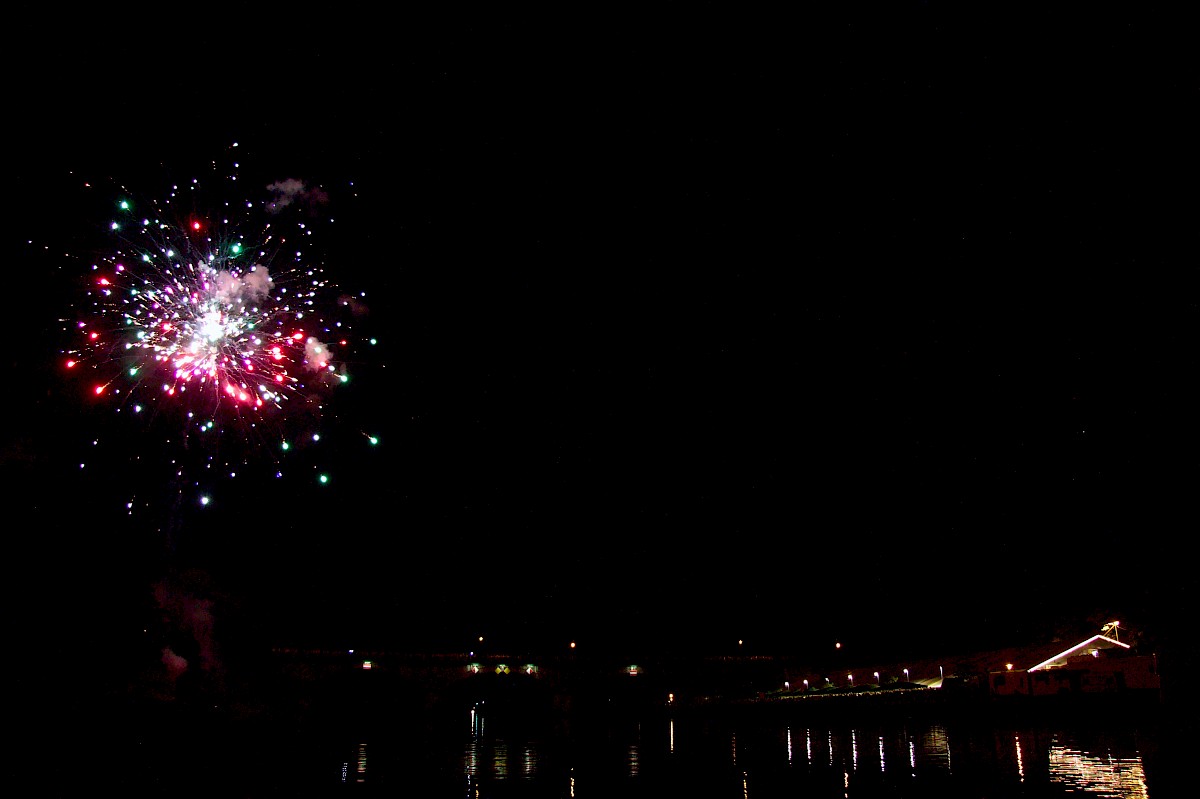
x=876, y=678
x=906, y=675
x=850, y=677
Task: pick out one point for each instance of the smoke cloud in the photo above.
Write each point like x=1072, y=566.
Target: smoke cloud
x=316, y=354
x=253, y=286
x=287, y=192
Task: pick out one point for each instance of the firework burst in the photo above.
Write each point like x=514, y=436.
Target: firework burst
x=214, y=320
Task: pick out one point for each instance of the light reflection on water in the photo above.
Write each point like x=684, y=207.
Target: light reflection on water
x=760, y=757
x=1101, y=774
x=488, y=756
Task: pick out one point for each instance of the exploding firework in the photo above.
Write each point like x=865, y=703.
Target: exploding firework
x=215, y=322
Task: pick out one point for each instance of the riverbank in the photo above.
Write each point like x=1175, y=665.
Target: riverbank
x=927, y=703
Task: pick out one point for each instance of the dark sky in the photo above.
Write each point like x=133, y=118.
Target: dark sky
x=695, y=326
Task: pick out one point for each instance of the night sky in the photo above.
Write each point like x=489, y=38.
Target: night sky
x=692, y=328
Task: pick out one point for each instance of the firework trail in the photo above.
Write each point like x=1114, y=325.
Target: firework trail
x=214, y=321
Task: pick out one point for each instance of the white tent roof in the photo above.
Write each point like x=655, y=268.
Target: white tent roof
x=1094, y=643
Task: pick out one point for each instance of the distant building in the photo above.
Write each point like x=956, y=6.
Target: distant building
x=1098, y=665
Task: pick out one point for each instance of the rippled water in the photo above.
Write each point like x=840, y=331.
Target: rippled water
x=744, y=757
x=470, y=753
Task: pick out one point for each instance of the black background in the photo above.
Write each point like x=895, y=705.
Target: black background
x=696, y=325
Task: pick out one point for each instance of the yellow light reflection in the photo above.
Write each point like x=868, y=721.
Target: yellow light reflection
x=1109, y=776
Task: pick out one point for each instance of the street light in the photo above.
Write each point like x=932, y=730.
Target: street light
x=850, y=677
x=877, y=677
x=906, y=675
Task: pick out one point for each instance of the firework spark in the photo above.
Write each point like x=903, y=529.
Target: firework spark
x=218, y=318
